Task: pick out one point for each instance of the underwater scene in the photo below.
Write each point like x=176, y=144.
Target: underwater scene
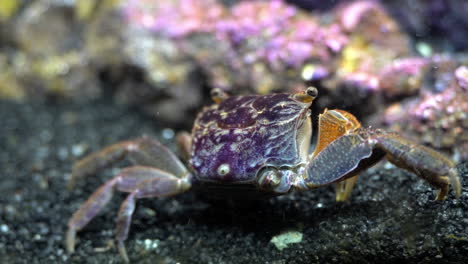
x=233, y=131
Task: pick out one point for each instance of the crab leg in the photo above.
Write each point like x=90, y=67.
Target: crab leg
x=142, y=151
x=184, y=143
x=332, y=125
x=351, y=153
x=343, y=188
x=155, y=187
x=140, y=182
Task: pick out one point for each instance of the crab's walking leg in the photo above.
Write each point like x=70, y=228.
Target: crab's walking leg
x=351, y=153
x=426, y=163
x=140, y=182
x=343, y=188
x=184, y=143
x=332, y=125
x=143, y=151
x=155, y=187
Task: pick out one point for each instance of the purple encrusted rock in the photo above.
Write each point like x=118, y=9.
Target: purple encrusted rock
x=462, y=77
x=242, y=46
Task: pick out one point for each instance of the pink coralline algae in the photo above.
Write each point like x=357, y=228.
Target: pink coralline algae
x=175, y=18
x=439, y=119
x=403, y=76
x=286, y=38
x=266, y=46
x=376, y=45
x=258, y=38
x=462, y=77
x=353, y=13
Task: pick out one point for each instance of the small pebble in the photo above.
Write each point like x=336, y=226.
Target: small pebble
x=4, y=228
x=149, y=244
x=282, y=241
x=78, y=150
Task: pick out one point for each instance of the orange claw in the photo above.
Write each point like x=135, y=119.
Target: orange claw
x=332, y=125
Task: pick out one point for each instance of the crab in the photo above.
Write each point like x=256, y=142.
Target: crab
x=253, y=146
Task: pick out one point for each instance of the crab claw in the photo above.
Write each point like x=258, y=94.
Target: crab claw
x=350, y=154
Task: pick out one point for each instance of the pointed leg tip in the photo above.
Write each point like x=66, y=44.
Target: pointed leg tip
x=70, y=240
x=455, y=182
x=123, y=251
x=342, y=198
x=440, y=197
x=344, y=188
x=442, y=193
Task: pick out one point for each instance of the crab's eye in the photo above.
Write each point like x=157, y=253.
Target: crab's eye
x=223, y=169
x=312, y=91
x=307, y=96
x=269, y=178
x=218, y=95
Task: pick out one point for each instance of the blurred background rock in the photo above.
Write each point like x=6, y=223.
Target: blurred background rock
x=399, y=64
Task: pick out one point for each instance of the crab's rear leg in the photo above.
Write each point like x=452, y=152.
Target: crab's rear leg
x=165, y=176
x=165, y=186
x=332, y=125
x=140, y=182
x=351, y=153
x=142, y=151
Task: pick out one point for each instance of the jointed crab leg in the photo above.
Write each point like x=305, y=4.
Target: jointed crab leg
x=170, y=177
x=159, y=186
x=426, y=163
x=142, y=151
x=343, y=188
x=351, y=153
x=140, y=182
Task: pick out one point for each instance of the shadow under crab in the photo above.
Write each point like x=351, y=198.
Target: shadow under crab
x=244, y=145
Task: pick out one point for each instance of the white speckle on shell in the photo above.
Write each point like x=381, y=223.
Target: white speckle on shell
x=196, y=162
x=233, y=147
x=223, y=169
x=252, y=163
